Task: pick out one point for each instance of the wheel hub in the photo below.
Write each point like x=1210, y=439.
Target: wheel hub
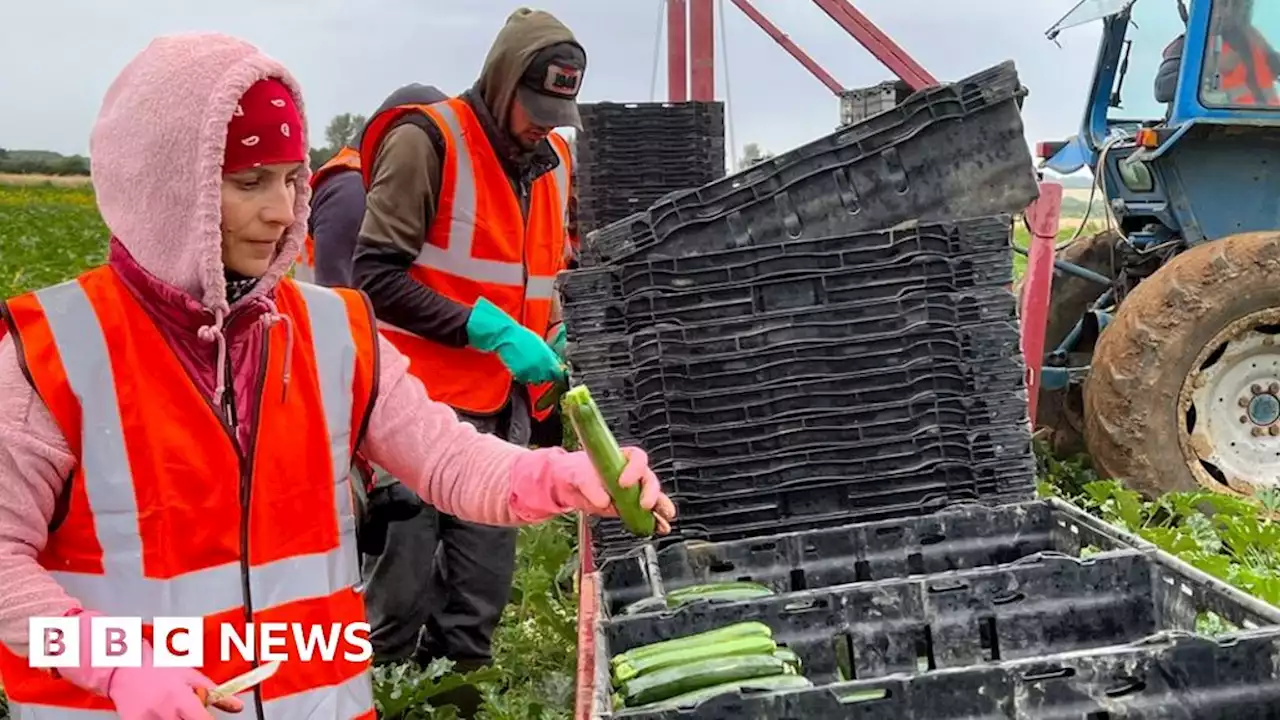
x=1232, y=408
x=1264, y=409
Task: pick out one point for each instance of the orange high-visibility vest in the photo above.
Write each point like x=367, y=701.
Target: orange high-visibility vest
x=347, y=160
x=1234, y=75
x=479, y=245
x=166, y=517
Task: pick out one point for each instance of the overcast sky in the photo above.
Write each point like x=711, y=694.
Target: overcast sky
x=60, y=55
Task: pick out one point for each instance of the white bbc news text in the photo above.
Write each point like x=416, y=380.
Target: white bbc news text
x=182, y=642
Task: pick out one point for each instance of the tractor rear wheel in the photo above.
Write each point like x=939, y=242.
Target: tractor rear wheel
x=1059, y=413
x=1184, y=391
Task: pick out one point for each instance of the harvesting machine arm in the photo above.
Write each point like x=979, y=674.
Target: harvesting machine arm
x=691, y=36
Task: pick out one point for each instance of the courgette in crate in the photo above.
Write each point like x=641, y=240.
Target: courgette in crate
x=680, y=679
x=717, y=592
x=788, y=656
x=769, y=683
x=720, y=634
x=732, y=647
x=649, y=604
x=606, y=456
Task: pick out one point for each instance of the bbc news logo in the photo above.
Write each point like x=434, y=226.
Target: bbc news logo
x=181, y=642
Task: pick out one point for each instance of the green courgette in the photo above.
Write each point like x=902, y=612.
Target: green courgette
x=732, y=647
x=717, y=592
x=649, y=604
x=769, y=683
x=789, y=656
x=680, y=679
x=720, y=634
x=606, y=456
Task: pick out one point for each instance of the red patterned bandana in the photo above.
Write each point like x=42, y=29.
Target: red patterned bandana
x=266, y=129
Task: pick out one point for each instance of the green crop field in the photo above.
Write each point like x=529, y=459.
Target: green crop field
x=49, y=233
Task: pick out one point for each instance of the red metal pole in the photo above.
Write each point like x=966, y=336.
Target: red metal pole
x=877, y=43
x=1043, y=217
x=782, y=39
x=677, y=51
x=702, y=50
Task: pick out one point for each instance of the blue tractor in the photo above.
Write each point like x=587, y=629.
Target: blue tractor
x=1163, y=339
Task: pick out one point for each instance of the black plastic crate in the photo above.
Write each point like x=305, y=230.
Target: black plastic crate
x=621, y=118
x=883, y=254
x=826, y=503
x=793, y=424
x=819, y=495
x=836, y=393
x=953, y=151
x=718, y=480
x=951, y=238
x=960, y=537
x=982, y=239
x=931, y=274
x=1170, y=675
x=877, y=328
x=990, y=346
x=973, y=611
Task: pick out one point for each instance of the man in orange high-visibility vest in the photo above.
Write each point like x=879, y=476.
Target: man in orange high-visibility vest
x=337, y=203
x=1240, y=66
x=463, y=235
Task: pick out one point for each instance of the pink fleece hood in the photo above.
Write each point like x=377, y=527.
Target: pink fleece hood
x=156, y=160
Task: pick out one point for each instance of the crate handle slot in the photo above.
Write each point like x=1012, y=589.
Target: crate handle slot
x=722, y=566
x=796, y=607
x=1007, y=597
x=863, y=695
x=1124, y=686
x=945, y=586
x=932, y=538
x=1054, y=674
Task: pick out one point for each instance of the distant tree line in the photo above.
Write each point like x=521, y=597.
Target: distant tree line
x=41, y=162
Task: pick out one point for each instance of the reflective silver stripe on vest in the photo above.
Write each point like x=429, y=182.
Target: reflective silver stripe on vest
x=303, y=272
x=123, y=589
x=457, y=259
x=340, y=702
x=1228, y=62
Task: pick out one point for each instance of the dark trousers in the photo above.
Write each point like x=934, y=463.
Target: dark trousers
x=439, y=587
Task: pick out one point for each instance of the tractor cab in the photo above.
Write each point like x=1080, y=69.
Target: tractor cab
x=1178, y=121
x=1163, y=331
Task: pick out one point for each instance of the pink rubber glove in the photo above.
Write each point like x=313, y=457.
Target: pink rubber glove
x=147, y=692
x=549, y=482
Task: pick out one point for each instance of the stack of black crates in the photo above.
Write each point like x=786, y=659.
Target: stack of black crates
x=827, y=337
x=631, y=155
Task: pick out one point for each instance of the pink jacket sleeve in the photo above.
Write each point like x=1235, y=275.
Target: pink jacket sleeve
x=34, y=465
x=423, y=444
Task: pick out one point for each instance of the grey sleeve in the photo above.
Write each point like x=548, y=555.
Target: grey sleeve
x=336, y=213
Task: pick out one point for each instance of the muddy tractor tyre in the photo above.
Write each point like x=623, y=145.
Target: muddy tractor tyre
x=1184, y=391
x=1059, y=413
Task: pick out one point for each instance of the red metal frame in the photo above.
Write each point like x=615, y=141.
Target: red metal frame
x=691, y=44
x=785, y=41
x=702, y=50
x=677, y=51
x=877, y=43
x=1043, y=217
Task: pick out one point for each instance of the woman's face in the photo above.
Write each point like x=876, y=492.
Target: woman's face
x=257, y=208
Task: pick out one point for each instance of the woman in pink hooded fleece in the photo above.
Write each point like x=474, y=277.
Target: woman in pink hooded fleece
x=199, y=168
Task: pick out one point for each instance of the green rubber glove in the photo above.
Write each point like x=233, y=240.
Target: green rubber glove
x=558, y=342
x=529, y=358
